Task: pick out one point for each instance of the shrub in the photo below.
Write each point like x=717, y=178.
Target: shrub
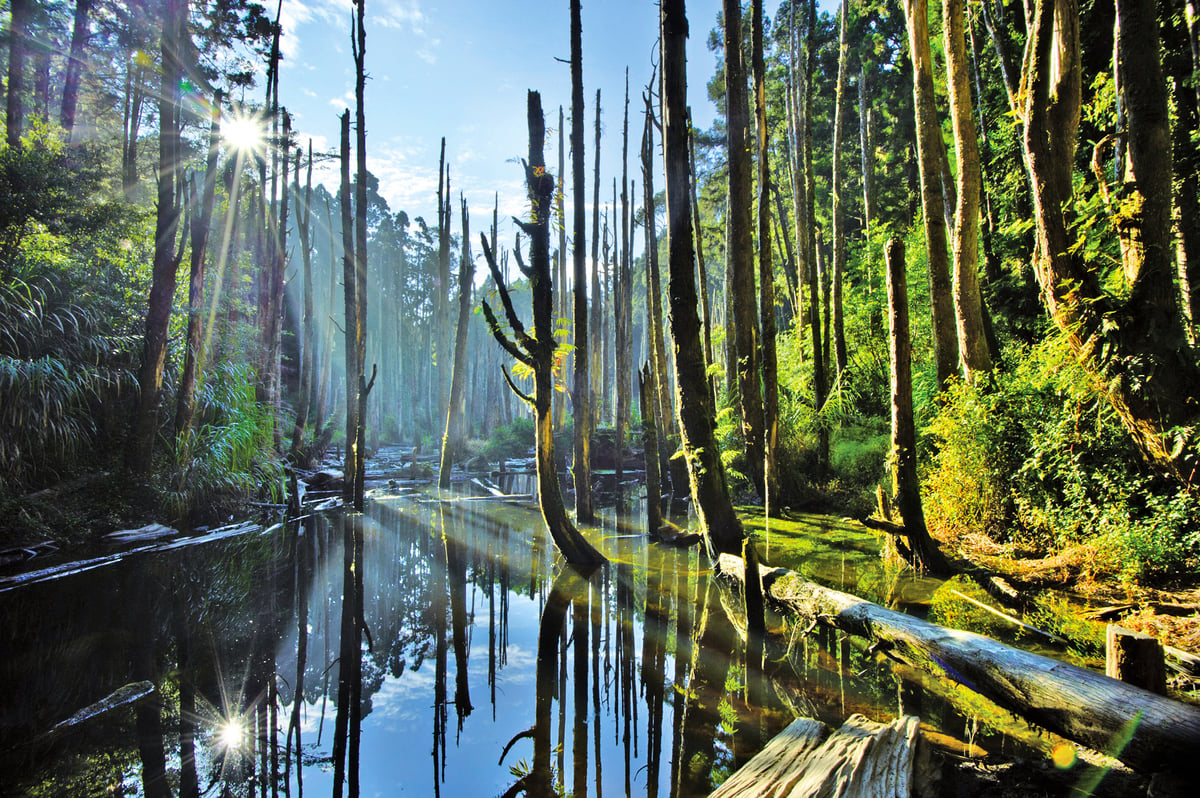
x=1034, y=456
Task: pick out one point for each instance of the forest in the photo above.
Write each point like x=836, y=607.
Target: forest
x=934, y=267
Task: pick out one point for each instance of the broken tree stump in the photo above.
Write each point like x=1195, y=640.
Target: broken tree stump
x=861, y=759
x=1135, y=658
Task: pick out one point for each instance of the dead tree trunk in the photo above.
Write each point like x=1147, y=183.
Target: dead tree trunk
x=353, y=326
x=359, y=41
x=582, y=394
x=837, y=220
x=537, y=350
x=307, y=321
x=647, y=392
x=452, y=439
x=1140, y=728
x=622, y=299
x=812, y=268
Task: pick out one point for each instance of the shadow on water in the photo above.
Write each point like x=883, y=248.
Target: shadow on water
x=325, y=657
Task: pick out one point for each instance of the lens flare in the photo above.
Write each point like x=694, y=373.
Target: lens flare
x=231, y=734
x=243, y=132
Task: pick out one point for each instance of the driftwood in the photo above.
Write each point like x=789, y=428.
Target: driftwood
x=1144, y=730
x=861, y=759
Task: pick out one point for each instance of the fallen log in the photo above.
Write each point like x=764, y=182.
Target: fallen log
x=861, y=759
x=1146, y=731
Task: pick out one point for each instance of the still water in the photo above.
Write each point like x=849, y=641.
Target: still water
x=425, y=647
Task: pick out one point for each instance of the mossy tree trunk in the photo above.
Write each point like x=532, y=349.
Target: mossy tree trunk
x=697, y=418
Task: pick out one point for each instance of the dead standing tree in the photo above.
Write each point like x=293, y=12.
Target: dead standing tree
x=537, y=350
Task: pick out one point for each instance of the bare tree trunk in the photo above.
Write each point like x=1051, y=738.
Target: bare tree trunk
x=452, y=438
x=537, y=350
x=622, y=297
x=906, y=485
x=360, y=252
x=766, y=269
x=582, y=394
x=307, y=321
x=596, y=323
x=968, y=303
x=79, y=37
x=945, y=337
x=166, y=257
x=697, y=416
x=647, y=392
x=655, y=343
x=353, y=325
x=441, y=305
x=740, y=249
x=201, y=222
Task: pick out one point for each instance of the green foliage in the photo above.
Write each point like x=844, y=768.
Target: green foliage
x=1036, y=458
x=510, y=440
x=229, y=454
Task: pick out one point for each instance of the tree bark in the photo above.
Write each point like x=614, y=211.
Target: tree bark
x=452, y=439
x=739, y=270
x=968, y=303
x=79, y=37
x=17, y=51
x=906, y=485
x=837, y=218
x=811, y=267
x=353, y=325
x=582, y=395
x=706, y=473
x=201, y=223
x=622, y=297
x=647, y=394
x=442, y=303
x=360, y=246
x=945, y=336
x=1134, y=348
x=766, y=269
x=166, y=258
x=537, y=350
x=307, y=321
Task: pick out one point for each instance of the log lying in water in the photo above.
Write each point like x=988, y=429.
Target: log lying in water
x=861, y=759
x=1146, y=731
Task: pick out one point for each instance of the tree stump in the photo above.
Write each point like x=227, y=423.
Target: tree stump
x=1135, y=658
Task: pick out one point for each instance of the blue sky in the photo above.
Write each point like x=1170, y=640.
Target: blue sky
x=460, y=69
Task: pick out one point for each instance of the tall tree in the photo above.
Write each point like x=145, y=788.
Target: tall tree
x=819, y=341
x=18, y=47
x=353, y=325
x=1134, y=346
x=201, y=212
x=622, y=297
x=359, y=42
x=929, y=135
x=166, y=227
x=79, y=39
x=837, y=219
x=739, y=271
x=307, y=318
x=766, y=269
x=906, y=485
x=582, y=398
x=452, y=438
x=655, y=341
x=697, y=417
x=968, y=304
x=536, y=350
